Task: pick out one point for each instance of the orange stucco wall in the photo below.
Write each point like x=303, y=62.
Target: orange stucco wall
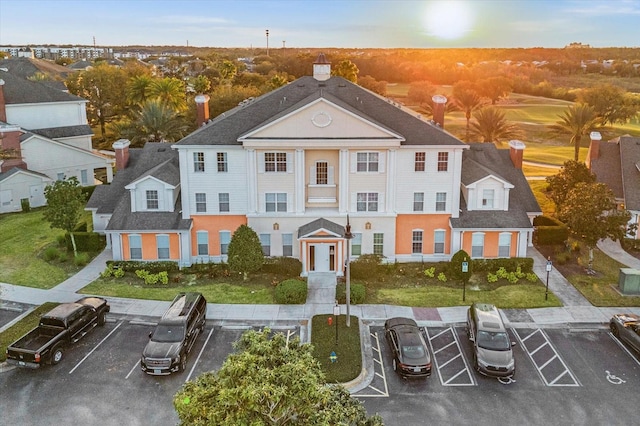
x=213, y=225
x=406, y=223
x=150, y=246
x=490, y=243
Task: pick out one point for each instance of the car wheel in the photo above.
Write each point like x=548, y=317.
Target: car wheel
x=475, y=361
x=183, y=362
x=614, y=330
x=57, y=353
x=395, y=365
x=102, y=318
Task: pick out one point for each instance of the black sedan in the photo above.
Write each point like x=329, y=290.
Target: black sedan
x=411, y=356
x=626, y=327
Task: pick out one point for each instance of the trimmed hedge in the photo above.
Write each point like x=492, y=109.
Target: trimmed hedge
x=291, y=292
x=86, y=241
x=358, y=293
x=510, y=264
x=549, y=231
x=152, y=267
x=283, y=266
x=367, y=266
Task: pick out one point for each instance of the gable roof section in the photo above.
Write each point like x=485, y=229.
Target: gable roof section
x=16, y=170
x=65, y=131
x=27, y=67
x=227, y=128
x=166, y=172
x=607, y=167
x=21, y=91
x=630, y=166
x=31, y=135
x=473, y=172
x=315, y=228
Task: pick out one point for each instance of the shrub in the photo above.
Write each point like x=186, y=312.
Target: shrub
x=152, y=279
x=291, y=292
x=367, y=266
x=442, y=277
x=430, y=272
x=86, y=241
x=492, y=278
x=51, y=253
x=358, y=293
x=81, y=259
x=563, y=257
x=133, y=265
x=510, y=264
x=63, y=257
x=531, y=277
x=283, y=266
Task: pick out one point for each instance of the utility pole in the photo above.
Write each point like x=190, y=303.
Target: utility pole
x=348, y=236
x=267, y=42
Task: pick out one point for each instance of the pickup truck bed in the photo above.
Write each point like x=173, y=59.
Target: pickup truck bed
x=37, y=338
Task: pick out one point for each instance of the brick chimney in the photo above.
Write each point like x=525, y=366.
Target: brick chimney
x=10, y=143
x=202, y=106
x=516, y=152
x=121, y=148
x=439, y=103
x=321, y=68
x=594, y=147
x=3, y=104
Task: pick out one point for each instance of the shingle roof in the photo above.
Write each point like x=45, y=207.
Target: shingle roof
x=481, y=160
x=607, y=167
x=13, y=171
x=319, y=224
x=18, y=90
x=64, y=132
x=27, y=67
x=630, y=158
x=228, y=127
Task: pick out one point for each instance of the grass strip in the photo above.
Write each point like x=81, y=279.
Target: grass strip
x=348, y=364
x=22, y=327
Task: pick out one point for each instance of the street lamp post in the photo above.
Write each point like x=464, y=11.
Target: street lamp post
x=267, y=42
x=348, y=236
x=546, y=291
x=465, y=270
x=336, y=314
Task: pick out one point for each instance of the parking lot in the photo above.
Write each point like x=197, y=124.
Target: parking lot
x=562, y=377
x=100, y=381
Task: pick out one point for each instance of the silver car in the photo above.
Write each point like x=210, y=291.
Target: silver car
x=626, y=327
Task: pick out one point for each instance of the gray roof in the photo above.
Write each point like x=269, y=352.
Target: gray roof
x=484, y=159
x=319, y=224
x=28, y=67
x=228, y=127
x=618, y=166
x=64, y=131
x=18, y=90
x=154, y=159
x=13, y=171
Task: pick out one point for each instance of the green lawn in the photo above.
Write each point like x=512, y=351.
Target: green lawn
x=348, y=364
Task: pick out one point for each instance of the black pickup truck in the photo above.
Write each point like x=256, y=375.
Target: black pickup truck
x=65, y=324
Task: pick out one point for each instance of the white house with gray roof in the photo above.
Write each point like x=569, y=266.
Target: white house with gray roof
x=294, y=163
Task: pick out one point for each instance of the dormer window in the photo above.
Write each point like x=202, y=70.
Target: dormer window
x=152, y=200
x=487, y=198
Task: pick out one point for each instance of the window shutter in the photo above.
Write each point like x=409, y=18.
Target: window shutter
x=354, y=162
x=381, y=206
x=261, y=162
x=289, y=162
x=312, y=175
x=381, y=162
x=353, y=204
x=330, y=177
x=289, y=200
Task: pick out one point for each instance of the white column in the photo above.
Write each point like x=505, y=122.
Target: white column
x=185, y=166
x=303, y=259
x=457, y=176
x=300, y=169
x=343, y=201
x=252, y=181
x=391, y=181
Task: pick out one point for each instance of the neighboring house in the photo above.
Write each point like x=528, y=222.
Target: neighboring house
x=617, y=164
x=295, y=163
x=48, y=130
x=17, y=185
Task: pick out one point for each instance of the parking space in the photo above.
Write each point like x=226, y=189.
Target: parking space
x=449, y=362
x=10, y=312
x=378, y=386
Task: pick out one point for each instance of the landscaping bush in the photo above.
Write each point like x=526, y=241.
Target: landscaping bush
x=549, y=231
x=358, y=293
x=630, y=244
x=367, y=266
x=153, y=267
x=209, y=270
x=283, y=266
x=291, y=292
x=152, y=279
x=86, y=241
x=81, y=259
x=51, y=254
x=510, y=264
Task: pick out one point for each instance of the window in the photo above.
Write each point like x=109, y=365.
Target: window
x=225, y=239
x=287, y=244
x=356, y=245
x=443, y=161
x=135, y=247
x=438, y=241
x=162, y=241
x=222, y=162
x=223, y=201
x=504, y=245
x=477, y=244
x=152, y=200
x=265, y=241
x=367, y=162
x=419, y=165
x=487, y=198
x=367, y=202
x=275, y=161
x=322, y=173
x=203, y=243
x=441, y=201
x=201, y=202
x=198, y=161
x=378, y=243
x=276, y=201
x=60, y=176
x=84, y=177
x=416, y=245
x=418, y=201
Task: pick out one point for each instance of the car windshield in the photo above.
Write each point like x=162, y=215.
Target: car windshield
x=495, y=341
x=168, y=333
x=413, y=351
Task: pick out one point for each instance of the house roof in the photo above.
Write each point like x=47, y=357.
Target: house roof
x=485, y=159
x=64, y=131
x=228, y=127
x=16, y=170
x=320, y=224
x=28, y=67
x=618, y=166
x=18, y=90
x=155, y=159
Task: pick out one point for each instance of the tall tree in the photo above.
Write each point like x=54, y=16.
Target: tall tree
x=170, y=91
x=572, y=173
x=138, y=89
x=245, y=251
x=421, y=92
x=269, y=380
x=65, y=204
x=490, y=125
x=590, y=212
x=466, y=98
x=347, y=70
x=370, y=83
x=495, y=88
x=612, y=104
x=578, y=120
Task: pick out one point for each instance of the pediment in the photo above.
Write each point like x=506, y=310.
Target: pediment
x=322, y=120
x=491, y=179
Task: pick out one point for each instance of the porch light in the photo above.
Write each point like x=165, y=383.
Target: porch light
x=276, y=226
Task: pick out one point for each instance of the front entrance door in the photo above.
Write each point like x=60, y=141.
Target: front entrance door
x=322, y=257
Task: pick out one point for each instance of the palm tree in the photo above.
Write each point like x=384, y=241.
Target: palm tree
x=138, y=89
x=578, y=120
x=467, y=100
x=158, y=122
x=491, y=126
x=169, y=91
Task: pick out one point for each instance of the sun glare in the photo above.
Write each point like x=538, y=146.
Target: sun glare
x=448, y=19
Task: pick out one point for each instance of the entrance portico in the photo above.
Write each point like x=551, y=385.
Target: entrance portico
x=322, y=247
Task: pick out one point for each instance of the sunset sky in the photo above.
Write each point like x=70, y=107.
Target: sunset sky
x=348, y=23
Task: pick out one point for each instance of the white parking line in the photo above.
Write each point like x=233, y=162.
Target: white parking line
x=379, y=392
x=199, y=355
x=137, y=364
x=615, y=339
x=466, y=369
x=96, y=347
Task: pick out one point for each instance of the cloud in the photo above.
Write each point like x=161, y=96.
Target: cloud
x=606, y=8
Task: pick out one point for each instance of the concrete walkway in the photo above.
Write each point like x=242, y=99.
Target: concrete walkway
x=614, y=250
